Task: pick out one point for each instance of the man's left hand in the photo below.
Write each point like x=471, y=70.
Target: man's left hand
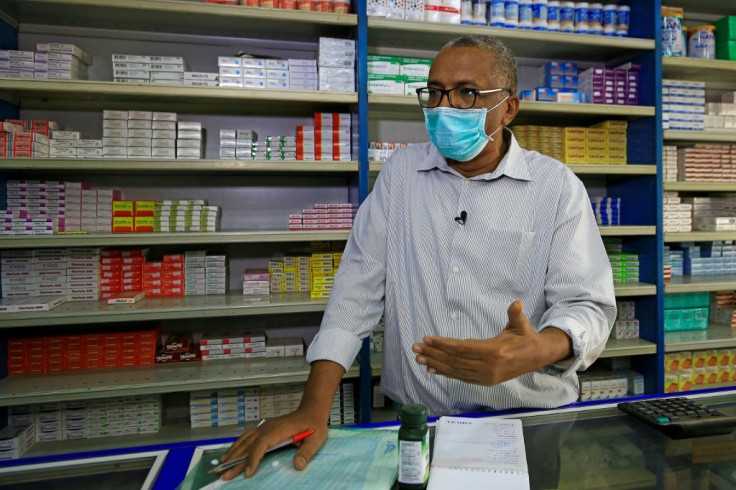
x=518, y=349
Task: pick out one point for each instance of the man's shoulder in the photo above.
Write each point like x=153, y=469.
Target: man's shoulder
x=543, y=166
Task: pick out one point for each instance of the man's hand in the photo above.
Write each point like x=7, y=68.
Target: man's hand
x=518, y=349
x=255, y=442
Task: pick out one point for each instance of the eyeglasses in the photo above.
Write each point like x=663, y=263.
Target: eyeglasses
x=459, y=98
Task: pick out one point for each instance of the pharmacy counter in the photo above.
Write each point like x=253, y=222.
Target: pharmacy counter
x=582, y=446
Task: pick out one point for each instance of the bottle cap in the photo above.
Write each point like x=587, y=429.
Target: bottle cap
x=413, y=414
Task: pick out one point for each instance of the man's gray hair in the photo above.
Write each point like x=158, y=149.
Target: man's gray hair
x=504, y=63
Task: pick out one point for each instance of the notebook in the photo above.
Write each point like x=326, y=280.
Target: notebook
x=478, y=454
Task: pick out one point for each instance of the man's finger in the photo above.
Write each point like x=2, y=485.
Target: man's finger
x=468, y=372
x=306, y=451
x=236, y=447
x=453, y=348
x=255, y=453
x=518, y=321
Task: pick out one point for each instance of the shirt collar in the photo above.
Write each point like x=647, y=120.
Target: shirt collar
x=513, y=164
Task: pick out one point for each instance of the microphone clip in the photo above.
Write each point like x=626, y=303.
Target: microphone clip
x=462, y=218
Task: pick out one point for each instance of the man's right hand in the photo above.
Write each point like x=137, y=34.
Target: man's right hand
x=256, y=442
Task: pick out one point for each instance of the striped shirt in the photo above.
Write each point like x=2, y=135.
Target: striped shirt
x=530, y=234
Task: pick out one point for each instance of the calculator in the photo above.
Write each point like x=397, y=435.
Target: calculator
x=680, y=418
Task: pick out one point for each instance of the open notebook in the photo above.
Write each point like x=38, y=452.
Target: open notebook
x=478, y=454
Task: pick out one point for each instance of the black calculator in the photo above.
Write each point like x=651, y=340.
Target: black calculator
x=680, y=418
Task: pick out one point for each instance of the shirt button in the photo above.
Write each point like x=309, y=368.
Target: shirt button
x=454, y=316
x=456, y=270
x=466, y=182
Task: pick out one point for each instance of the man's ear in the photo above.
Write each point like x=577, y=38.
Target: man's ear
x=512, y=109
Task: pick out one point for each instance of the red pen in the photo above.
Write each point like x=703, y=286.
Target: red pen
x=235, y=462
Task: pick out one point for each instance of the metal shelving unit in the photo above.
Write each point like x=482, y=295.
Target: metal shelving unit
x=715, y=73
x=161, y=378
x=716, y=336
x=700, y=186
x=710, y=136
x=180, y=16
x=701, y=284
x=134, y=239
x=94, y=95
x=604, y=170
x=407, y=107
x=627, y=230
x=178, y=167
x=166, y=308
x=699, y=236
x=535, y=44
x=635, y=289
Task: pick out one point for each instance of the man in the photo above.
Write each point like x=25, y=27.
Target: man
x=485, y=257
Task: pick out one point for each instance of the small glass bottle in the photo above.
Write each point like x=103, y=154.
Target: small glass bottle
x=413, y=448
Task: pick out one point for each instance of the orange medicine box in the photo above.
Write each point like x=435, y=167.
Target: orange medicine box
x=145, y=208
x=122, y=224
x=144, y=224
x=122, y=208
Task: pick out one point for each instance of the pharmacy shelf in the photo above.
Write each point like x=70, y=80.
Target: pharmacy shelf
x=613, y=170
x=701, y=284
x=699, y=236
x=166, y=308
x=407, y=107
x=181, y=17
x=716, y=336
x=627, y=230
x=170, y=433
x=635, y=289
x=700, y=186
x=161, y=378
x=134, y=239
x=715, y=73
x=714, y=8
x=709, y=136
x=159, y=166
x=88, y=95
x=401, y=34
x=614, y=348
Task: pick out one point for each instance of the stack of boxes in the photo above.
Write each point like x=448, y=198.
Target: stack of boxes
x=709, y=258
x=275, y=148
x=336, y=64
x=69, y=144
x=619, y=86
x=201, y=79
x=173, y=275
x=558, y=82
x=723, y=308
x=688, y=370
x=683, y=105
x=139, y=134
x=377, y=337
x=726, y=37
x=670, y=163
x=687, y=311
x=226, y=346
x=291, y=274
x=324, y=268
x=166, y=216
x=607, y=210
x=189, y=140
x=706, y=163
x=284, y=347
x=380, y=151
x=52, y=61
x=75, y=352
x=303, y=75
x=713, y=214
x=195, y=277
x=82, y=274
x=237, y=143
x=254, y=73
x=178, y=348
x=721, y=115
x=602, y=384
x=397, y=75
x=223, y=407
x=215, y=274
x=602, y=143
x=342, y=410
x=130, y=216
x=332, y=216
x=256, y=282
x=626, y=325
x=677, y=215
x=625, y=268
x=17, y=142
x=130, y=68
x=329, y=139
x=15, y=440
x=121, y=271
x=674, y=260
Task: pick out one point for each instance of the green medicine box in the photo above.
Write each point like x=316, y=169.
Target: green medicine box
x=726, y=28
x=725, y=50
x=686, y=300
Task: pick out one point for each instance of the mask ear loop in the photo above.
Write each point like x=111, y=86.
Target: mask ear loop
x=489, y=137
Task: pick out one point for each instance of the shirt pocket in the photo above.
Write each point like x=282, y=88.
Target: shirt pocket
x=507, y=269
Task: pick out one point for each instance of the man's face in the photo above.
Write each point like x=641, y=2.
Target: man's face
x=464, y=67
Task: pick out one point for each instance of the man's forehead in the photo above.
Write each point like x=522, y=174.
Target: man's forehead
x=462, y=62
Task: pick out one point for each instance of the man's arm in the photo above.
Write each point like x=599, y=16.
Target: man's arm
x=312, y=414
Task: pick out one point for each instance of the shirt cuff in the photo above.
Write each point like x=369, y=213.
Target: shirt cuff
x=578, y=334
x=336, y=345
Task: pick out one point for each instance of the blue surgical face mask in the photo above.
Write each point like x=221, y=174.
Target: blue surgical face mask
x=459, y=134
